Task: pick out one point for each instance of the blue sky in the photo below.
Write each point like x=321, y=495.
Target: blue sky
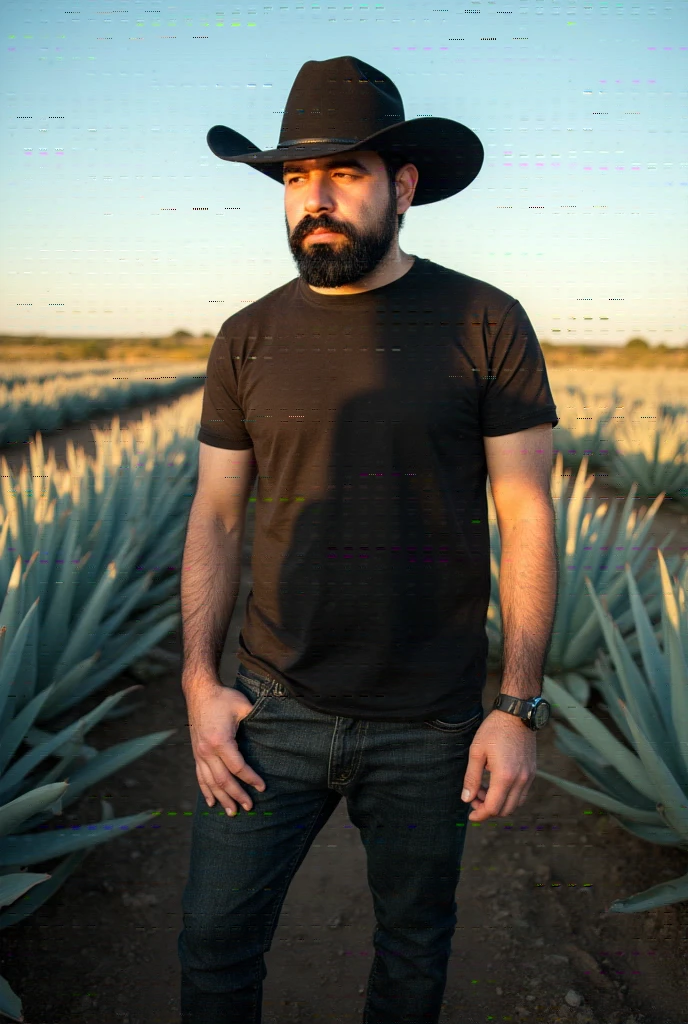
x=579, y=210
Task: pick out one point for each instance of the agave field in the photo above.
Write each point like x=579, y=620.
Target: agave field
x=32, y=401
x=89, y=585
x=632, y=425
x=89, y=559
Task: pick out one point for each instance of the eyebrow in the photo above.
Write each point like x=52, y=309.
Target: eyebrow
x=336, y=161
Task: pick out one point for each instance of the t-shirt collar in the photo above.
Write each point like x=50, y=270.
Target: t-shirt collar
x=358, y=300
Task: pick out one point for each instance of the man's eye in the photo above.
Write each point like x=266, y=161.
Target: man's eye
x=296, y=177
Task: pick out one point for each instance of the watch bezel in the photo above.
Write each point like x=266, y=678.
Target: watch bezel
x=541, y=708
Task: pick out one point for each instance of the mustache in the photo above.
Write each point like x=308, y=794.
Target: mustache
x=306, y=229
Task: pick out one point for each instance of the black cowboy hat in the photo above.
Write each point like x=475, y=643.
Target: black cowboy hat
x=344, y=104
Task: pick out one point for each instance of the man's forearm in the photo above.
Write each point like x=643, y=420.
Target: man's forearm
x=211, y=573
x=528, y=582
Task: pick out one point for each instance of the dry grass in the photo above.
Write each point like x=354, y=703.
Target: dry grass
x=15, y=349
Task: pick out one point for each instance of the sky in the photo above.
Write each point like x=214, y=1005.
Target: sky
x=119, y=221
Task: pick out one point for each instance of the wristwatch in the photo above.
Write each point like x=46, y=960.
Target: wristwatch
x=534, y=712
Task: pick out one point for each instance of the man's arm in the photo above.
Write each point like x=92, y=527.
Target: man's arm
x=519, y=468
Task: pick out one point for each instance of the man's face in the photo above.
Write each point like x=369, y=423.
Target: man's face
x=354, y=201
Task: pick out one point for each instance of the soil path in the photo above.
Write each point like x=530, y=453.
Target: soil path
x=532, y=930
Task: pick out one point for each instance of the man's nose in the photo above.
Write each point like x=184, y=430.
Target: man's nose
x=318, y=196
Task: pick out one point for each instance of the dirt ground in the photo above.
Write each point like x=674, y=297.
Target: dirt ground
x=527, y=947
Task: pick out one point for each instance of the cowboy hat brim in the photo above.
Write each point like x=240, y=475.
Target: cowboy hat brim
x=448, y=155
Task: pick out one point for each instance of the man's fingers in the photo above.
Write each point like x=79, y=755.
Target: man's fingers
x=495, y=801
x=222, y=785
x=474, y=775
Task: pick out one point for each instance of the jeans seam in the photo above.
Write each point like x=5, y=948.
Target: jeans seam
x=290, y=875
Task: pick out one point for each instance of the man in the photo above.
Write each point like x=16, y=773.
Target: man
x=370, y=395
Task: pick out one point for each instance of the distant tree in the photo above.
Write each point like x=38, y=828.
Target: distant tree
x=182, y=334
x=637, y=343
x=207, y=334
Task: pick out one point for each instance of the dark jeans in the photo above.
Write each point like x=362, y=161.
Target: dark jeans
x=402, y=782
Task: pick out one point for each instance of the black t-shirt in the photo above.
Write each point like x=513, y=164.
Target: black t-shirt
x=367, y=412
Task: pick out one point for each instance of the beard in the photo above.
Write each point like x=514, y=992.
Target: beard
x=349, y=259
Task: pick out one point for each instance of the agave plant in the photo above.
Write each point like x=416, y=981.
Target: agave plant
x=585, y=548
x=643, y=782
x=79, y=516
x=658, y=460
x=29, y=792
x=47, y=661
x=582, y=431
x=49, y=402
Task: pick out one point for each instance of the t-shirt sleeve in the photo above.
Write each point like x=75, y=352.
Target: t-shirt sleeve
x=517, y=394
x=222, y=418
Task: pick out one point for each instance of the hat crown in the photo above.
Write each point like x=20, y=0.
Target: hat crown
x=342, y=100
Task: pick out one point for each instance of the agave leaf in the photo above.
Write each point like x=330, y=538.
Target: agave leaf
x=72, y=748
x=128, y=599
x=577, y=685
x=577, y=747
x=625, y=761
x=28, y=664
x=160, y=592
x=614, y=708
x=21, y=768
x=660, y=895
x=11, y=611
x=672, y=618
x=106, y=763
x=15, y=732
x=82, y=632
x=583, y=644
x=139, y=622
x=12, y=658
x=601, y=799
x=15, y=885
x=58, y=616
x=673, y=798
x=63, y=768
x=61, y=687
x=635, y=690
x=28, y=804
x=605, y=777
x=53, y=881
x=662, y=835
x=10, y=1003
x=115, y=666
x=125, y=709
x=102, y=535
x=32, y=848
x=109, y=761
x=655, y=666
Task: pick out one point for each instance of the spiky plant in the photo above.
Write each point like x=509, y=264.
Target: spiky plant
x=642, y=782
x=586, y=548
x=583, y=431
x=653, y=450
x=30, y=796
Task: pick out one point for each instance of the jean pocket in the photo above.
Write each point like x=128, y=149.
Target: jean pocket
x=458, y=724
x=256, y=690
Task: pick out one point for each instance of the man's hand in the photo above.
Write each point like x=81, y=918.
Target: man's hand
x=215, y=713
x=505, y=747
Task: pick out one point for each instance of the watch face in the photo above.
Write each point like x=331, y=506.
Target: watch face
x=541, y=715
